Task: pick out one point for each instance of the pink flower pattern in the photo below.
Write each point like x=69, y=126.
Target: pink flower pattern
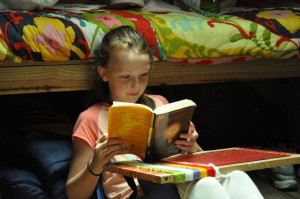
x=279, y=14
x=52, y=39
x=109, y=21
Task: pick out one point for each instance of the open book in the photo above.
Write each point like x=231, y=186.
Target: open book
x=144, y=130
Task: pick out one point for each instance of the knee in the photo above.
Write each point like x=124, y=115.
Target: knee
x=239, y=174
x=206, y=188
x=208, y=182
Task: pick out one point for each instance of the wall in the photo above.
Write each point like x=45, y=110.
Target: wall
x=253, y=114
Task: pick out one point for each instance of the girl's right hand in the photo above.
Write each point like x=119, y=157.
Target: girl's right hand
x=105, y=150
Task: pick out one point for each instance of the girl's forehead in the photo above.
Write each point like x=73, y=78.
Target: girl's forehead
x=126, y=59
x=123, y=52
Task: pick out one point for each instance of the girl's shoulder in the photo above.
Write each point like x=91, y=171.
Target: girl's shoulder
x=159, y=99
x=93, y=111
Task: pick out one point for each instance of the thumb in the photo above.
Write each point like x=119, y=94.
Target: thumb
x=101, y=137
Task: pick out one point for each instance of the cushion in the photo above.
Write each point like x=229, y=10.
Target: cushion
x=50, y=161
x=18, y=183
x=52, y=157
x=268, y=3
x=26, y=5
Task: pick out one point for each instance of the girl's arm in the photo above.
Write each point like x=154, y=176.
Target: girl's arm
x=81, y=182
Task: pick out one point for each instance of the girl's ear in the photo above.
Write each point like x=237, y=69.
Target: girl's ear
x=102, y=73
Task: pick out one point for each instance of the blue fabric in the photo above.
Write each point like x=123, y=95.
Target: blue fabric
x=51, y=160
x=46, y=177
x=99, y=191
x=52, y=156
x=21, y=184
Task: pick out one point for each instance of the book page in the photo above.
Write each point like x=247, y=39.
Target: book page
x=133, y=105
x=132, y=125
x=174, y=106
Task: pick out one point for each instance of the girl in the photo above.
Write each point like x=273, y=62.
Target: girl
x=124, y=63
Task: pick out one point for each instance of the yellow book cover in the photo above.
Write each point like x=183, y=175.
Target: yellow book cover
x=145, y=130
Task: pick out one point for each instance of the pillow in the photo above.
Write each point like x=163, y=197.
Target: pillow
x=18, y=183
x=268, y=3
x=123, y=4
x=25, y=5
x=50, y=161
x=202, y=7
x=51, y=157
x=158, y=6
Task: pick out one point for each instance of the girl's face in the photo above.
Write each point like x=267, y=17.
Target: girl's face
x=127, y=75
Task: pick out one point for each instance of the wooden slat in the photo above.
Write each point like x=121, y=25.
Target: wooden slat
x=177, y=74
x=15, y=79
x=39, y=77
x=262, y=164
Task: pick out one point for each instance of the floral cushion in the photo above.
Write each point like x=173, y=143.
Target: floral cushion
x=280, y=21
x=27, y=5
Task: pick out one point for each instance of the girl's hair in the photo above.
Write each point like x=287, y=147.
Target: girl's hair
x=125, y=38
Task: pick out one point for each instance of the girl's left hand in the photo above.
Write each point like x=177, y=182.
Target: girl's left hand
x=188, y=141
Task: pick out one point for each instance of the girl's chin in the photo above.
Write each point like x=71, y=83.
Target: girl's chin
x=133, y=99
x=128, y=99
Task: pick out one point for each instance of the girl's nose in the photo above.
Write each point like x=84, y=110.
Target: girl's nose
x=134, y=82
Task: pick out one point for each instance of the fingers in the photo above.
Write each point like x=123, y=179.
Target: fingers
x=188, y=146
x=191, y=128
x=110, y=149
x=185, y=143
x=188, y=140
x=106, y=148
x=192, y=135
x=101, y=138
x=184, y=148
x=103, y=142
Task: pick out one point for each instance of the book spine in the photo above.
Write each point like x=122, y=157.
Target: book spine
x=149, y=155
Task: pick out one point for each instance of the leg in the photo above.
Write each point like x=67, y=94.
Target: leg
x=158, y=191
x=239, y=185
x=207, y=187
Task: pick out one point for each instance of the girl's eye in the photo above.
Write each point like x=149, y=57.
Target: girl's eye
x=144, y=74
x=125, y=76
